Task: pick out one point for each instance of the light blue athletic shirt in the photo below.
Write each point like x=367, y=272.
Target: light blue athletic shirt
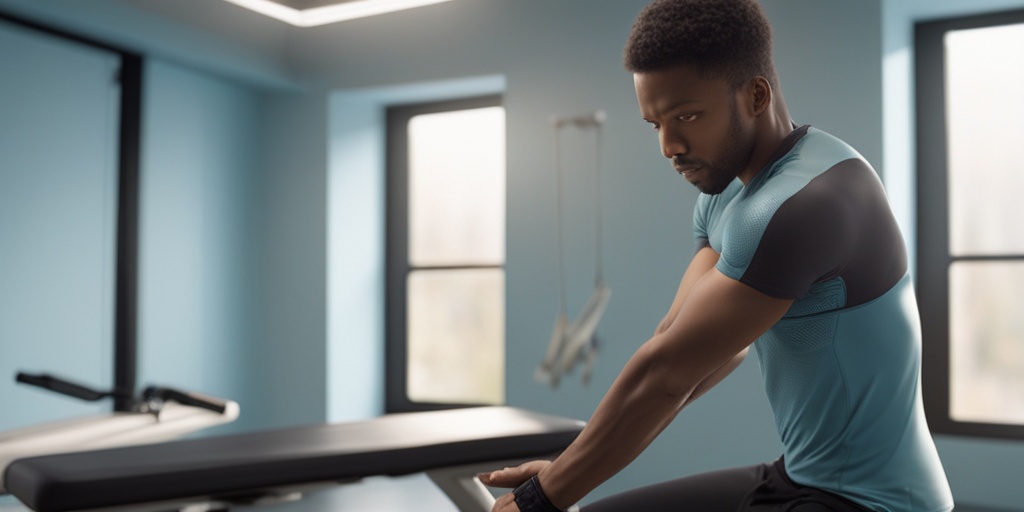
x=842, y=368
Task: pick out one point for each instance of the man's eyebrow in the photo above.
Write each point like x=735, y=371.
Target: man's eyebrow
x=676, y=106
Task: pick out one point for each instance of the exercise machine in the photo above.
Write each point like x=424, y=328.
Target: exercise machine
x=577, y=341
x=158, y=414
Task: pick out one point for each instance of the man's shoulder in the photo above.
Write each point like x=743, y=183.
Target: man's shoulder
x=807, y=170
x=814, y=154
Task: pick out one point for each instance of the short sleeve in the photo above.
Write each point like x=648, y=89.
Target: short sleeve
x=807, y=239
x=701, y=232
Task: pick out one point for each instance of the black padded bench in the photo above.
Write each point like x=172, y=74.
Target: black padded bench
x=450, y=446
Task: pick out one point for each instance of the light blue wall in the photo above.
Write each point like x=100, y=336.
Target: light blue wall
x=231, y=296
x=198, y=259
x=290, y=347
x=983, y=472
x=58, y=203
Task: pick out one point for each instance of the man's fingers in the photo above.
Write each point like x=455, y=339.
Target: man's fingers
x=506, y=477
x=512, y=476
x=505, y=503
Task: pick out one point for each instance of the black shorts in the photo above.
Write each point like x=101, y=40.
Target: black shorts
x=761, y=488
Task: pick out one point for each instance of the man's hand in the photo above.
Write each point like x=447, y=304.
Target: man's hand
x=510, y=478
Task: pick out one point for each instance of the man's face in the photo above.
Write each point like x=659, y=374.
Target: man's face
x=698, y=123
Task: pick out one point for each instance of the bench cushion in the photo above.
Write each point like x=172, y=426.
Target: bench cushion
x=396, y=444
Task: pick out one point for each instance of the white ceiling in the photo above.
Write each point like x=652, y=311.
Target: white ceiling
x=224, y=20
x=237, y=25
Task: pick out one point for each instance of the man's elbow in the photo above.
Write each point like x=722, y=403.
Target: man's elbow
x=683, y=375
x=666, y=374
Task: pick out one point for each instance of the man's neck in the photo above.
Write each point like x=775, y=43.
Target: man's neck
x=772, y=129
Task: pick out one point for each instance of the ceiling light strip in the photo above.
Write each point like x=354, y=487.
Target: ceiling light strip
x=272, y=9
x=359, y=9
x=330, y=13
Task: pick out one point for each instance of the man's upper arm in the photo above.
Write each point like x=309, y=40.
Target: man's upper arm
x=719, y=318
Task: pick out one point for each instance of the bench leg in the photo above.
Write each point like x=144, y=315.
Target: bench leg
x=465, y=490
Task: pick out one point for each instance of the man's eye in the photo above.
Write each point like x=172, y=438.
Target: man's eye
x=688, y=117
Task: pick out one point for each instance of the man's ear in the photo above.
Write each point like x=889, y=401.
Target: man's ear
x=760, y=94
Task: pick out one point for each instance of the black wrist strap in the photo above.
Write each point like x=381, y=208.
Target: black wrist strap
x=531, y=498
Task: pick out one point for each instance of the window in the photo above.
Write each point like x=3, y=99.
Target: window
x=445, y=312
x=970, y=118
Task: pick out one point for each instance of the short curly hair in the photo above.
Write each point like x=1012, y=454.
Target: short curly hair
x=728, y=39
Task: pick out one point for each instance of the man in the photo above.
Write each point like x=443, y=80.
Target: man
x=798, y=251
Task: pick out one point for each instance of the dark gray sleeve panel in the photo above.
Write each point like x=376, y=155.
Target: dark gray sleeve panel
x=839, y=225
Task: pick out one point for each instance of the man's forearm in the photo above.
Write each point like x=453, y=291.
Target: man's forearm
x=718, y=376
x=720, y=318
x=633, y=412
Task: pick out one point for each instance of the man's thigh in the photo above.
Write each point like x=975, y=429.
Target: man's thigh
x=759, y=488
x=717, y=491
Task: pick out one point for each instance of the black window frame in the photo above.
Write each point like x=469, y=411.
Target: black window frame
x=127, y=244
x=398, y=267
x=933, y=254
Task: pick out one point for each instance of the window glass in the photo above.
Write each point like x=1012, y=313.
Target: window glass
x=985, y=110
x=457, y=188
x=986, y=350
x=456, y=336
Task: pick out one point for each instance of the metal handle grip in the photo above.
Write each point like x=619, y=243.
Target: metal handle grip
x=61, y=386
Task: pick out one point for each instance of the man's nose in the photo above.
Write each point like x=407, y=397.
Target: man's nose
x=672, y=144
